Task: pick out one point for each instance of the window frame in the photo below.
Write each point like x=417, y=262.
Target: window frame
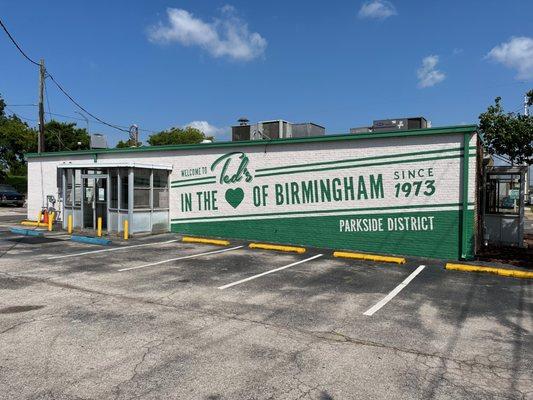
x=142, y=185
x=162, y=187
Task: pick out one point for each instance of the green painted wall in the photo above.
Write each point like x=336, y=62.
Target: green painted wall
x=443, y=242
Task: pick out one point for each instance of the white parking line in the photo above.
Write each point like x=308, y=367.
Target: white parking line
x=394, y=292
x=112, y=249
x=180, y=258
x=269, y=272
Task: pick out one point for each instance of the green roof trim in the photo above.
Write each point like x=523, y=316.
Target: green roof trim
x=327, y=138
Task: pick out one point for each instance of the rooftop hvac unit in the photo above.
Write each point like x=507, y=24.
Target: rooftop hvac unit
x=240, y=133
x=267, y=130
x=276, y=129
x=98, y=141
x=399, y=124
x=362, y=129
x=307, y=129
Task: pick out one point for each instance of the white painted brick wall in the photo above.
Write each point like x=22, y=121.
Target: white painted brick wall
x=448, y=172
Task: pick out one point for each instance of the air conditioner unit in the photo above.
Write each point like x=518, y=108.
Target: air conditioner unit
x=98, y=141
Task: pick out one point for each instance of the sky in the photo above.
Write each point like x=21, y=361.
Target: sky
x=340, y=64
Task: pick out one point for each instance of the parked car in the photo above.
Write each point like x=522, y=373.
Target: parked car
x=508, y=202
x=10, y=196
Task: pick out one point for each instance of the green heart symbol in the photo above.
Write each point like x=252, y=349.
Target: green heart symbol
x=234, y=197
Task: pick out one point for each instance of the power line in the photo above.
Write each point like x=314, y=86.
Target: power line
x=54, y=131
x=83, y=108
x=74, y=117
x=501, y=158
x=96, y=122
x=70, y=117
x=57, y=133
x=57, y=83
x=16, y=44
x=19, y=116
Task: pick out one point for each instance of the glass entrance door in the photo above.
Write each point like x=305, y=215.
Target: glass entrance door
x=88, y=203
x=94, y=202
x=100, y=200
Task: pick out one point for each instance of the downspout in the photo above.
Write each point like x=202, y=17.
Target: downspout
x=464, y=212
x=521, y=207
x=130, y=199
x=63, y=196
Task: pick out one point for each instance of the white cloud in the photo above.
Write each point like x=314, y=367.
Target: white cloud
x=428, y=74
x=517, y=53
x=227, y=36
x=377, y=9
x=207, y=128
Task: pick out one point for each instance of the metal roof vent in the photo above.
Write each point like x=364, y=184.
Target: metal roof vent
x=98, y=141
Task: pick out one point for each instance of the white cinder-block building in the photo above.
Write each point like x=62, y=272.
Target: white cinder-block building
x=409, y=192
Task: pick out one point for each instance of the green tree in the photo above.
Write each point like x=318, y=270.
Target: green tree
x=127, y=143
x=507, y=134
x=186, y=135
x=16, y=139
x=60, y=136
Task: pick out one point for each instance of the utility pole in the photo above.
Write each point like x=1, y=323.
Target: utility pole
x=42, y=71
x=526, y=104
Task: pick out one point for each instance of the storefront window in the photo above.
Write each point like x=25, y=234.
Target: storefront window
x=124, y=189
x=77, y=187
x=113, y=196
x=68, y=194
x=141, y=188
x=160, y=188
x=503, y=194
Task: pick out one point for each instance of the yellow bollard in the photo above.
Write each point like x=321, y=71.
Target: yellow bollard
x=50, y=221
x=126, y=233
x=69, y=224
x=40, y=216
x=99, y=227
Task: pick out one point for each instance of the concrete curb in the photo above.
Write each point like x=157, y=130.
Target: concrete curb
x=369, y=257
x=513, y=273
x=277, y=247
x=218, y=242
x=90, y=240
x=26, y=232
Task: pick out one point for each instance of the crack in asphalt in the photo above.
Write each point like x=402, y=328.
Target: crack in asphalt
x=38, y=319
x=149, y=347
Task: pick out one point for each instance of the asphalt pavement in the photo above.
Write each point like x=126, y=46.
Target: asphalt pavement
x=155, y=318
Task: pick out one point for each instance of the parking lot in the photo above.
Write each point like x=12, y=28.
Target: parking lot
x=158, y=318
